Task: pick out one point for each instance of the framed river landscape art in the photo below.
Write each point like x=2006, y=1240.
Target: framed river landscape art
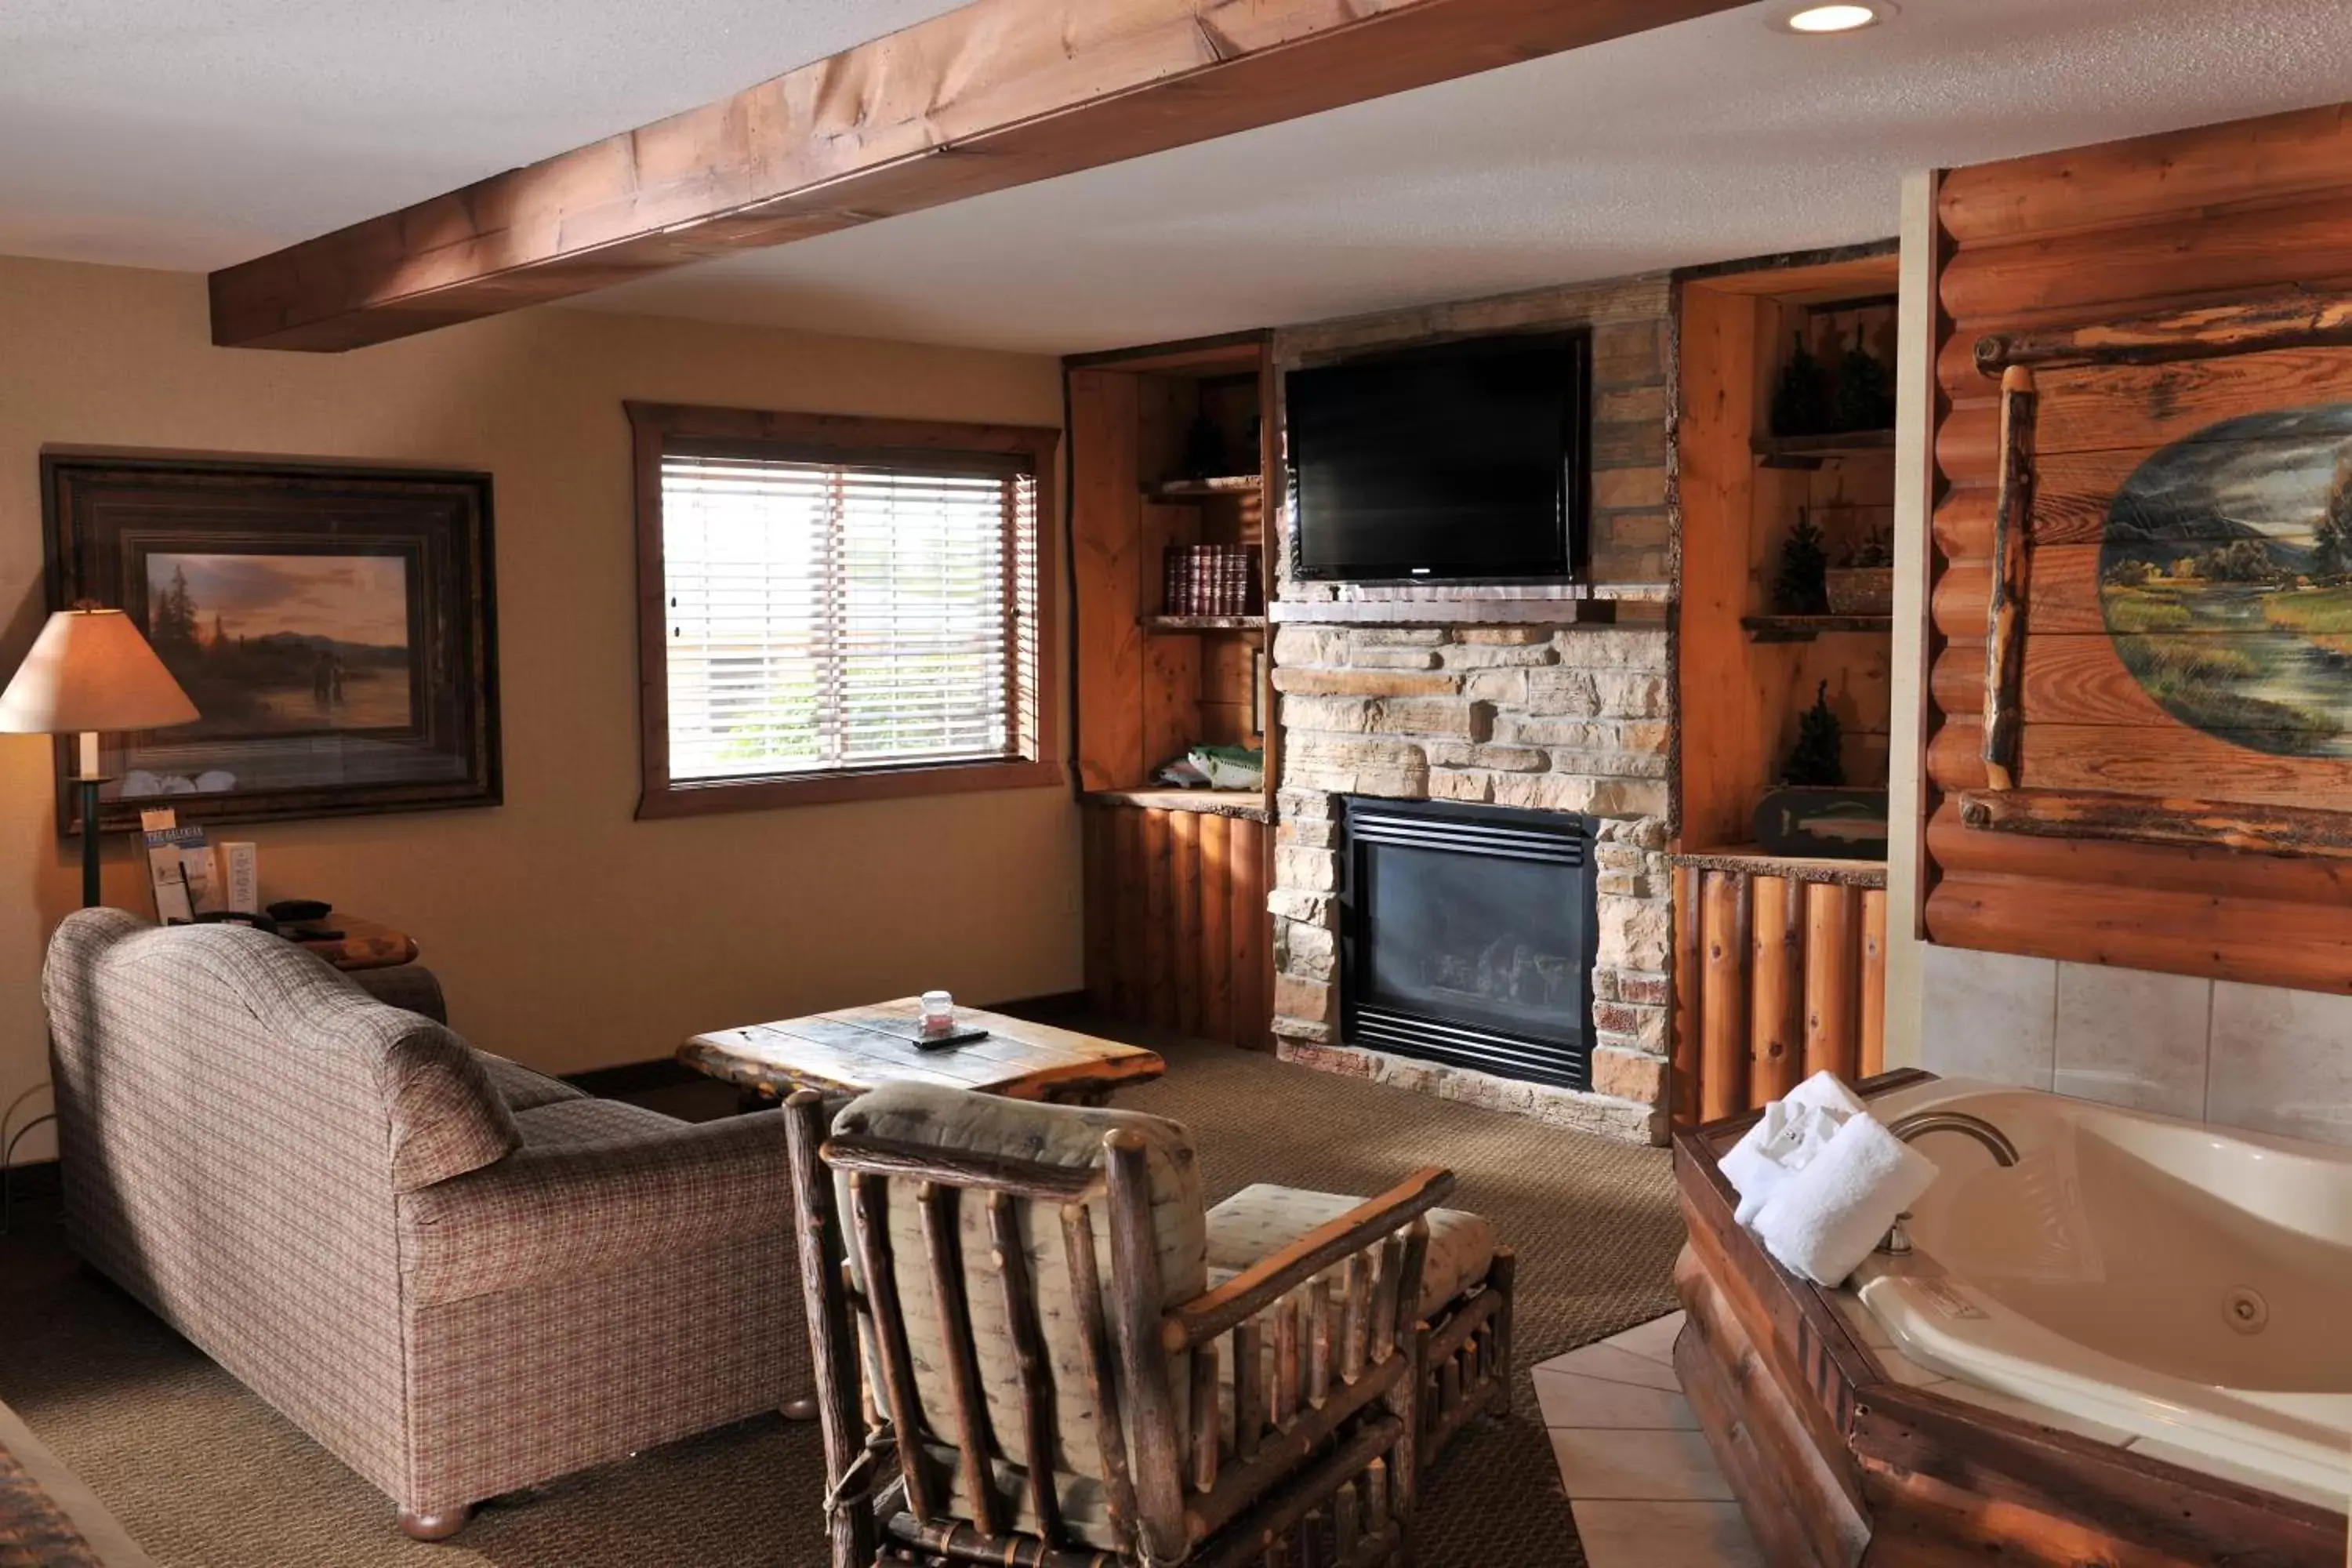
x=334, y=627
x=2167, y=654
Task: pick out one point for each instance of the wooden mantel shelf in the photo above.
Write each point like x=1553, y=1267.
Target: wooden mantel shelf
x=1595, y=610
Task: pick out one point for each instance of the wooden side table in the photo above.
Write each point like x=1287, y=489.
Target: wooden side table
x=365, y=945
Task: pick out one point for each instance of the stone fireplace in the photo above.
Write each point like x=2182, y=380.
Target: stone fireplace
x=1555, y=706
x=1569, y=723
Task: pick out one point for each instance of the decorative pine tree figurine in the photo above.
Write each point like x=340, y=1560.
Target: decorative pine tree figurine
x=1817, y=760
x=1801, y=403
x=1801, y=586
x=1866, y=393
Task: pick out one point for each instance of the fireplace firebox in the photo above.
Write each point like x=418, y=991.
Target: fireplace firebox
x=1467, y=935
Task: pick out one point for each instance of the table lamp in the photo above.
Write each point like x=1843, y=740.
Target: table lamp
x=89, y=673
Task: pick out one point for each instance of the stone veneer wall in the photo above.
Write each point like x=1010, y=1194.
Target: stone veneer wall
x=1546, y=717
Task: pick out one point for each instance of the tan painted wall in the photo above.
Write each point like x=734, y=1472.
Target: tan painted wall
x=570, y=935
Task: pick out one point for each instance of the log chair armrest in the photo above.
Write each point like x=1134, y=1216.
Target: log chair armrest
x=1203, y=1318
x=590, y=1208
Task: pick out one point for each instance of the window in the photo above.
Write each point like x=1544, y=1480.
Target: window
x=839, y=607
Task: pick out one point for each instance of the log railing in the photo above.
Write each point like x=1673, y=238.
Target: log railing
x=1781, y=971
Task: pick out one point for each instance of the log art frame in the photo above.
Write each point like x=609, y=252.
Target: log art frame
x=2283, y=319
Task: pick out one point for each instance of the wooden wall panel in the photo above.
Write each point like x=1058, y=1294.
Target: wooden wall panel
x=1873, y=1045
x=1106, y=501
x=1177, y=933
x=1249, y=934
x=1776, y=1011
x=1724, y=913
x=1833, y=980
x=2074, y=238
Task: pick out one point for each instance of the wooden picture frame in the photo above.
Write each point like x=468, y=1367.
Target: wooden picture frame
x=336, y=626
x=2278, y=319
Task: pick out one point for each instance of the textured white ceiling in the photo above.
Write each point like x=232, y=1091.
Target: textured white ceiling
x=193, y=132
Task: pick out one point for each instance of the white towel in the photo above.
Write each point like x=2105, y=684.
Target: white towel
x=1785, y=1141
x=1791, y=1131
x=1825, y=1219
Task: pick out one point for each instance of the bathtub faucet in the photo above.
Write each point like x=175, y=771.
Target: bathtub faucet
x=1910, y=1129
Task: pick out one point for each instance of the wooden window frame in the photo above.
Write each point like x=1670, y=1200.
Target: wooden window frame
x=653, y=426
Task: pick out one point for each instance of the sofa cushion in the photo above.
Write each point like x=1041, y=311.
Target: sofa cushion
x=1261, y=1220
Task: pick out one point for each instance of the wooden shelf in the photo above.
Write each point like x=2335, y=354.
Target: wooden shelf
x=1201, y=623
x=1205, y=490
x=1805, y=629
x=1813, y=451
x=1747, y=859
x=1248, y=804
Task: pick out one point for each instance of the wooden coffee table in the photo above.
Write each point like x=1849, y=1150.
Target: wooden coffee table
x=844, y=1053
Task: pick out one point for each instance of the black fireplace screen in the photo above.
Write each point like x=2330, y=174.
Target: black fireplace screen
x=1468, y=937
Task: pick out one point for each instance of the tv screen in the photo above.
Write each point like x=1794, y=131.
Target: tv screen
x=1464, y=461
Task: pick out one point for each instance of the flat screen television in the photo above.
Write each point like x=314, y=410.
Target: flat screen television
x=1459, y=461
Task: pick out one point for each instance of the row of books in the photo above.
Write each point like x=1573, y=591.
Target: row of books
x=1212, y=580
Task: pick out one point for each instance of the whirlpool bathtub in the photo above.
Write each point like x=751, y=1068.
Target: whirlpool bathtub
x=2178, y=1283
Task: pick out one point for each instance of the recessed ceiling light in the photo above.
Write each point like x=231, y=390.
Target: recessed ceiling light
x=1814, y=20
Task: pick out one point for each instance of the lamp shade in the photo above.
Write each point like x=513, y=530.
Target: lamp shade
x=90, y=670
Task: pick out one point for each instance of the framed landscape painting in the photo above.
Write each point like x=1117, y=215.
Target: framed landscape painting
x=334, y=627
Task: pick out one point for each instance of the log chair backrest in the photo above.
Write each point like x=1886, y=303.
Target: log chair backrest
x=992, y=1334
x=1040, y=1386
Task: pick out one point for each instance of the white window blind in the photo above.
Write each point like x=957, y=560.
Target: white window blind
x=829, y=615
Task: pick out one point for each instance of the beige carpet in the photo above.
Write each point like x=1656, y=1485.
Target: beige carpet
x=204, y=1475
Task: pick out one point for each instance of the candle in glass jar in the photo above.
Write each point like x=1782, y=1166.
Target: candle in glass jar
x=939, y=1015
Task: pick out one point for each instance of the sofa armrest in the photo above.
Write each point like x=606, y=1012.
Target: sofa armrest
x=409, y=985
x=582, y=1208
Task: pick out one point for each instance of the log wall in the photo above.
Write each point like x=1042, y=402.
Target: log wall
x=1777, y=977
x=2195, y=218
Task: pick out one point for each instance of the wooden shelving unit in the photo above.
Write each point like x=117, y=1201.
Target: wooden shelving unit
x=1780, y=961
x=1177, y=931
x=1805, y=629
x=1748, y=671
x=1809, y=452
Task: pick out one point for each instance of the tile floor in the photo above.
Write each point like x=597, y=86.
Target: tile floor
x=1645, y=1490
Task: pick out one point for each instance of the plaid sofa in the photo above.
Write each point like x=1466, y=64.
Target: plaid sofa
x=458, y=1275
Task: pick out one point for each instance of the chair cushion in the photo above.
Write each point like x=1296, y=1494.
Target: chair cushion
x=1261, y=1220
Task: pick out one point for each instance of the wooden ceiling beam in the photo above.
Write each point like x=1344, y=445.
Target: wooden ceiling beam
x=995, y=94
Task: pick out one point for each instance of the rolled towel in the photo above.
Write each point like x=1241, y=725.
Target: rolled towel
x=1792, y=1130
x=1825, y=1090
x=1824, y=1220
x=1784, y=1142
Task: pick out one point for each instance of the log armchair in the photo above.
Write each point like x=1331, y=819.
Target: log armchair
x=1051, y=1380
